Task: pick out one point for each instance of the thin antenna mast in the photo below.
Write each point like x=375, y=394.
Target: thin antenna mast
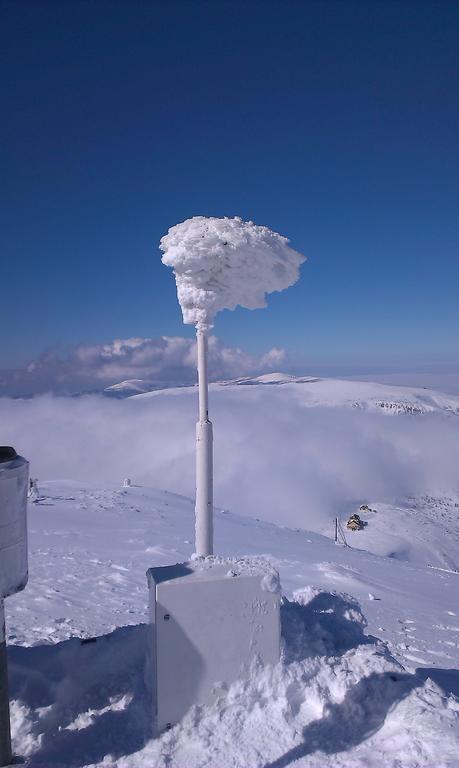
x=204, y=457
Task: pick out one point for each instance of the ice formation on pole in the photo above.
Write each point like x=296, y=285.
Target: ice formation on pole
x=222, y=263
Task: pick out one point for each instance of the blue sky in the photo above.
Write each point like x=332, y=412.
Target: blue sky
x=334, y=123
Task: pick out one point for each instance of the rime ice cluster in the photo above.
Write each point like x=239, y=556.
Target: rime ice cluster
x=222, y=263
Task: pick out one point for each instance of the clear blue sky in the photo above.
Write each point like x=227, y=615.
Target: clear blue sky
x=334, y=123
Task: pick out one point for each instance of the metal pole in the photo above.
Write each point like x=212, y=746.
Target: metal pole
x=204, y=460
x=5, y=732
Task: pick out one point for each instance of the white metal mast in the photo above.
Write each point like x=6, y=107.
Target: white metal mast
x=204, y=458
x=204, y=462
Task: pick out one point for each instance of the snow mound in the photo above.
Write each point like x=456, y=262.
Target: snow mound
x=337, y=698
x=222, y=263
x=241, y=566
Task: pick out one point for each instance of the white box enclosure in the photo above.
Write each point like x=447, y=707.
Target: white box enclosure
x=210, y=619
x=14, y=476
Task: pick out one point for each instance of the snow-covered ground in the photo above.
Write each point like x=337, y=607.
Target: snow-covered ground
x=369, y=669
x=370, y=645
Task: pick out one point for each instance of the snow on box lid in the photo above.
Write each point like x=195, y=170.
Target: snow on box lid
x=220, y=263
x=205, y=568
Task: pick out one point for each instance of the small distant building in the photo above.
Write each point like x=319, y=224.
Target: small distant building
x=366, y=508
x=355, y=523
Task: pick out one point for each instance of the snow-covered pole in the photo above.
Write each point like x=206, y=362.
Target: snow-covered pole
x=201, y=336
x=5, y=732
x=221, y=263
x=204, y=462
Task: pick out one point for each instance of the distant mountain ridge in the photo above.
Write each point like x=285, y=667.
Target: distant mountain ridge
x=315, y=391
x=131, y=387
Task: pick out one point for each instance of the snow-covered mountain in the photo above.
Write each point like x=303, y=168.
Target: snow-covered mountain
x=132, y=387
x=368, y=675
x=395, y=399
x=367, y=395
x=270, y=378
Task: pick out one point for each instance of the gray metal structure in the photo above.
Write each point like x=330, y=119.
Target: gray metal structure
x=14, y=477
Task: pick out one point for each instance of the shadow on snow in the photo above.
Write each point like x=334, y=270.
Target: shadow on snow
x=360, y=715
x=91, y=696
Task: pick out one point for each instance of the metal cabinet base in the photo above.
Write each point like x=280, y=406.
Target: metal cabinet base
x=209, y=619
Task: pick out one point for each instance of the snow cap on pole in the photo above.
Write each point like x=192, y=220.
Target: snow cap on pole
x=220, y=263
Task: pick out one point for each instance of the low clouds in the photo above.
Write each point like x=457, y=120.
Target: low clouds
x=164, y=360
x=274, y=458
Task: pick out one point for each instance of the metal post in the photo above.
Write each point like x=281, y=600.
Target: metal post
x=204, y=461
x=5, y=732
x=336, y=530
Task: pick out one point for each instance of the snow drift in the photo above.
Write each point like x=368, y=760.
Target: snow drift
x=221, y=263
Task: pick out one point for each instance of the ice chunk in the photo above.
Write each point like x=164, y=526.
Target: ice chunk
x=222, y=263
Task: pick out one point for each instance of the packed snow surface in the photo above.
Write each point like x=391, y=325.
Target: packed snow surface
x=370, y=646
x=222, y=263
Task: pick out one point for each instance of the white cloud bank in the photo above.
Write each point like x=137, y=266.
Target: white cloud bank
x=274, y=458
x=164, y=360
